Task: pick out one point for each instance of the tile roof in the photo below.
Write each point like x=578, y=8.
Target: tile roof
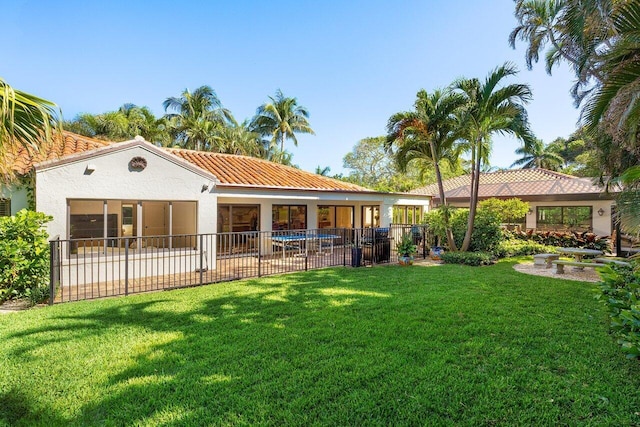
x=521, y=183
x=63, y=145
x=247, y=171
x=231, y=170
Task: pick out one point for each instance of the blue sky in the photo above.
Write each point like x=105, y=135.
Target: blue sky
x=351, y=63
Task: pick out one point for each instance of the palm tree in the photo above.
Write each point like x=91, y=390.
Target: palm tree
x=540, y=22
x=538, y=155
x=617, y=100
x=237, y=138
x=614, y=109
x=575, y=30
x=196, y=117
x=281, y=119
x=490, y=109
x=628, y=201
x=141, y=121
x=428, y=134
x=323, y=171
x=26, y=121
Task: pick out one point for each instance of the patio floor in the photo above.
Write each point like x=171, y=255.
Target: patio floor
x=227, y=268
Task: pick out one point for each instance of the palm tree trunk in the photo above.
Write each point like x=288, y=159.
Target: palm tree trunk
x=473, y=200
x=445, y=212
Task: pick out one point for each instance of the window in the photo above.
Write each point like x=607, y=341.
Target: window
x=98, y=219
x=5, y=207
x=238, y=218
x=371, y=216
x=242, y=219
x=335, y=216
x=407, y=214
x=288, y=217
x=575, y=218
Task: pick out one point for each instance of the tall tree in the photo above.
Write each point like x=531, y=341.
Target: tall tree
x=369, y=163
x=574, y=30
x=616, y=102
x=237, y=138
x=196, y=117
x=127, y=122
x=490, y=108
x=281, y=119
x=607, y=35
x=538, y=155
x=26, y=121
x=427, y=135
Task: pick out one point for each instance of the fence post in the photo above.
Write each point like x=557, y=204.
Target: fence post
x=126, y=266
x=201, y=256
x=344, y=251
x=259, y=237
x=52, y=276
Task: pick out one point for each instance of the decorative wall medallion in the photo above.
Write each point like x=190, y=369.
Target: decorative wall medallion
x=138, y=163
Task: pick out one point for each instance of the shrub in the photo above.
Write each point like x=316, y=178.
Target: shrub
x=509, y=211
x=487, y=233
x=515, y=247
x=620, y=289
x=563, y=239
x=468, y=258
x=24, y=256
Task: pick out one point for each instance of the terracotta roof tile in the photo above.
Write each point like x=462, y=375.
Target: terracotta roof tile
x=63, y=145
x=229, y=169
x=247, y=171
x=514, y=183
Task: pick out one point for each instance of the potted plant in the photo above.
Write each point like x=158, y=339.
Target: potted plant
x=436, y=253
x=406, y=249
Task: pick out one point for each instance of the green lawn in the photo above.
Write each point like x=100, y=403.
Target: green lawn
x=441, y=345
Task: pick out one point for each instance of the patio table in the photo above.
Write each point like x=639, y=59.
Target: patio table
x=579, y=253
x=295, y=241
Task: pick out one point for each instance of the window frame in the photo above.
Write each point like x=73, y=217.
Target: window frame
x=289, y=219
x=563, y=223
x=5, y=207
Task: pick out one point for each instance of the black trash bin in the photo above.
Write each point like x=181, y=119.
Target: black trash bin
x=377, y=245
x=356, y=257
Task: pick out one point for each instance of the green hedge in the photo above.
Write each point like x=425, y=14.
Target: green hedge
x=563, y=239
x=468, y=258
x=24, y=256
x=514, y=247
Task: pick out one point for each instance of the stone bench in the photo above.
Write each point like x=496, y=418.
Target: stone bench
x=580, y=265
x=611, y=261
x=544, y=260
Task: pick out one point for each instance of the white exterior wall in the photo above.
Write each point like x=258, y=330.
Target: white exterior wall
x=18, y=195
x=161, y=180
x=313, y=199
x=601, y=224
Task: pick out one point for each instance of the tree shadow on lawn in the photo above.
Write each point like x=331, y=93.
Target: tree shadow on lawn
x=329, y=346
x=195, y=364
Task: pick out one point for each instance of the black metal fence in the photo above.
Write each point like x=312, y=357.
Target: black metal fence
x=84, y=269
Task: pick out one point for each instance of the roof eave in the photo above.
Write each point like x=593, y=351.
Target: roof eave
x=120, y=146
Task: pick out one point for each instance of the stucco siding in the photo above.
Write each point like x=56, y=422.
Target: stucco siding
x=18, y=195
x=112, y=178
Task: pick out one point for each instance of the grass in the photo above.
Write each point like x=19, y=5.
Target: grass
x=445, y=345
